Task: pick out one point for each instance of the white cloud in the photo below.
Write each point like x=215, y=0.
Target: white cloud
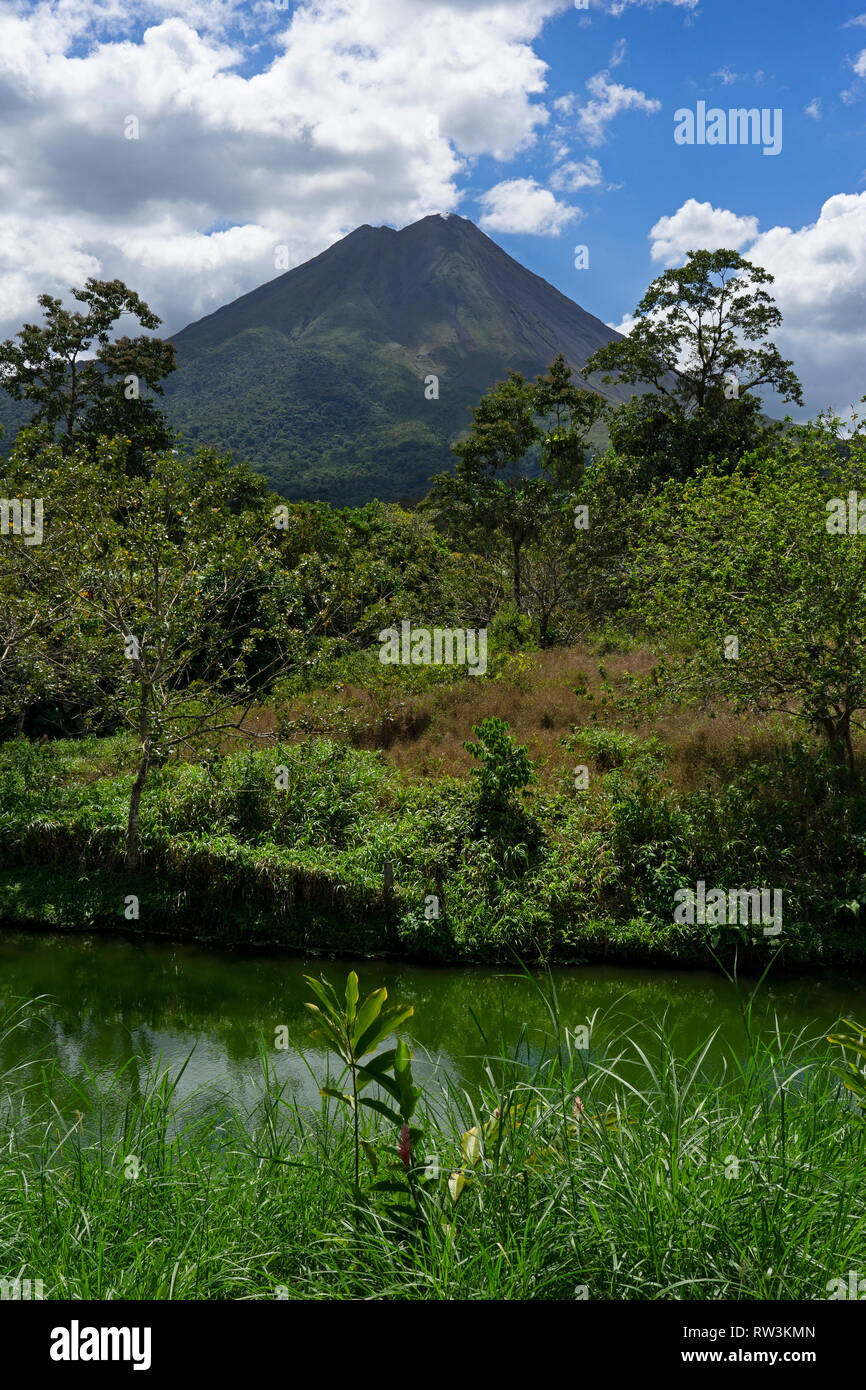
x=819, y=285
x=617, y=7
x=608, y=100
x=523, y=206
x=569, y=177
x=367, y=112
x=625, y=325
x=699, y=226
x=814, y=109
x=618, y=54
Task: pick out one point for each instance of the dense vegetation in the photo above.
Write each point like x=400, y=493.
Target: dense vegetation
x=604, y=1167
x=197, y=714
x=204, y=731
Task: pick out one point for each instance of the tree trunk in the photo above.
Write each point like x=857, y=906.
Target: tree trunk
x=132, y=859
x=838, y=733
x=516, y=547
x=844, y=728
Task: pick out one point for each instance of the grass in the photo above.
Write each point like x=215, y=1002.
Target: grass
x=570, y=876
x=377, y=774
x=420, y=719
x=740, y=1179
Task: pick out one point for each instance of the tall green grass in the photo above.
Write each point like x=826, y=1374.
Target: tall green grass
x=680, y=1178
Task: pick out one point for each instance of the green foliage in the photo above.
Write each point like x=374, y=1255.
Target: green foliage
x=505, y=767
x=749, y=556
x=84, y=396
x=853, y=1073
x=511, y=630
x=518, y=427
x=353, y=1032
x=590, y=875
x=663, y=439
x=612, y=748
x=701, y=340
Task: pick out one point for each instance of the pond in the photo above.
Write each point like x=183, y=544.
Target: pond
x=144, y=1003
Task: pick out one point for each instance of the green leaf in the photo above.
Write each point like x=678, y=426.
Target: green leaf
x=378, y=1066
x=402, y=1060
x=381, y=1109
x=351, y=997
x=370, y=1151
x=344, y=1096
x=381, y=1027
x=327, y=998
x=327, y=1031
x=367, y=1015
x=409, y=1093
x=382, y=1079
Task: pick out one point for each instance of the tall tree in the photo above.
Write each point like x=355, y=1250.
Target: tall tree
x=567, y=413
x=491, y=495
x=702, y=341
x=159, y=570
x=84, y=384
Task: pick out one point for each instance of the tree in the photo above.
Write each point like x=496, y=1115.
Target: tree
x=84, y=385
x=159, y=569
x=756, y=593
x=567, y=414
x=504, y=768
x=577, y=572
x=516, y=423
x=665, y=440
x=41, y=663
x=477, y=501
x=701, y=340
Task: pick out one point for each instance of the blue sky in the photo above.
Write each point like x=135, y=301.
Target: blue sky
x=264, y=132
x=762, y=53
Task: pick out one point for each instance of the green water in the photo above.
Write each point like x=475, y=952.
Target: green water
x=142, y=1003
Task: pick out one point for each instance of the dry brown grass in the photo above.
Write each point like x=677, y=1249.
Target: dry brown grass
x=423, y=734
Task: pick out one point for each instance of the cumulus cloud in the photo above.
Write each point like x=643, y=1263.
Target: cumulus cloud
x=699, y=226
x=819, y=284
x=571, y=176
x=813, y=109
x=607, y=100
x=523, y=206
x=356, y=112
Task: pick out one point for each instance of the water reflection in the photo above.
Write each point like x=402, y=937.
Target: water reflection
x=125, y=1002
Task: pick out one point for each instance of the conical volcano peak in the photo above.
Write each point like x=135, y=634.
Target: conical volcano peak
x=351, y=375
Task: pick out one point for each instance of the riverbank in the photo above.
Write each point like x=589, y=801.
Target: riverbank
x=757, y=1190
x=318, y=845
